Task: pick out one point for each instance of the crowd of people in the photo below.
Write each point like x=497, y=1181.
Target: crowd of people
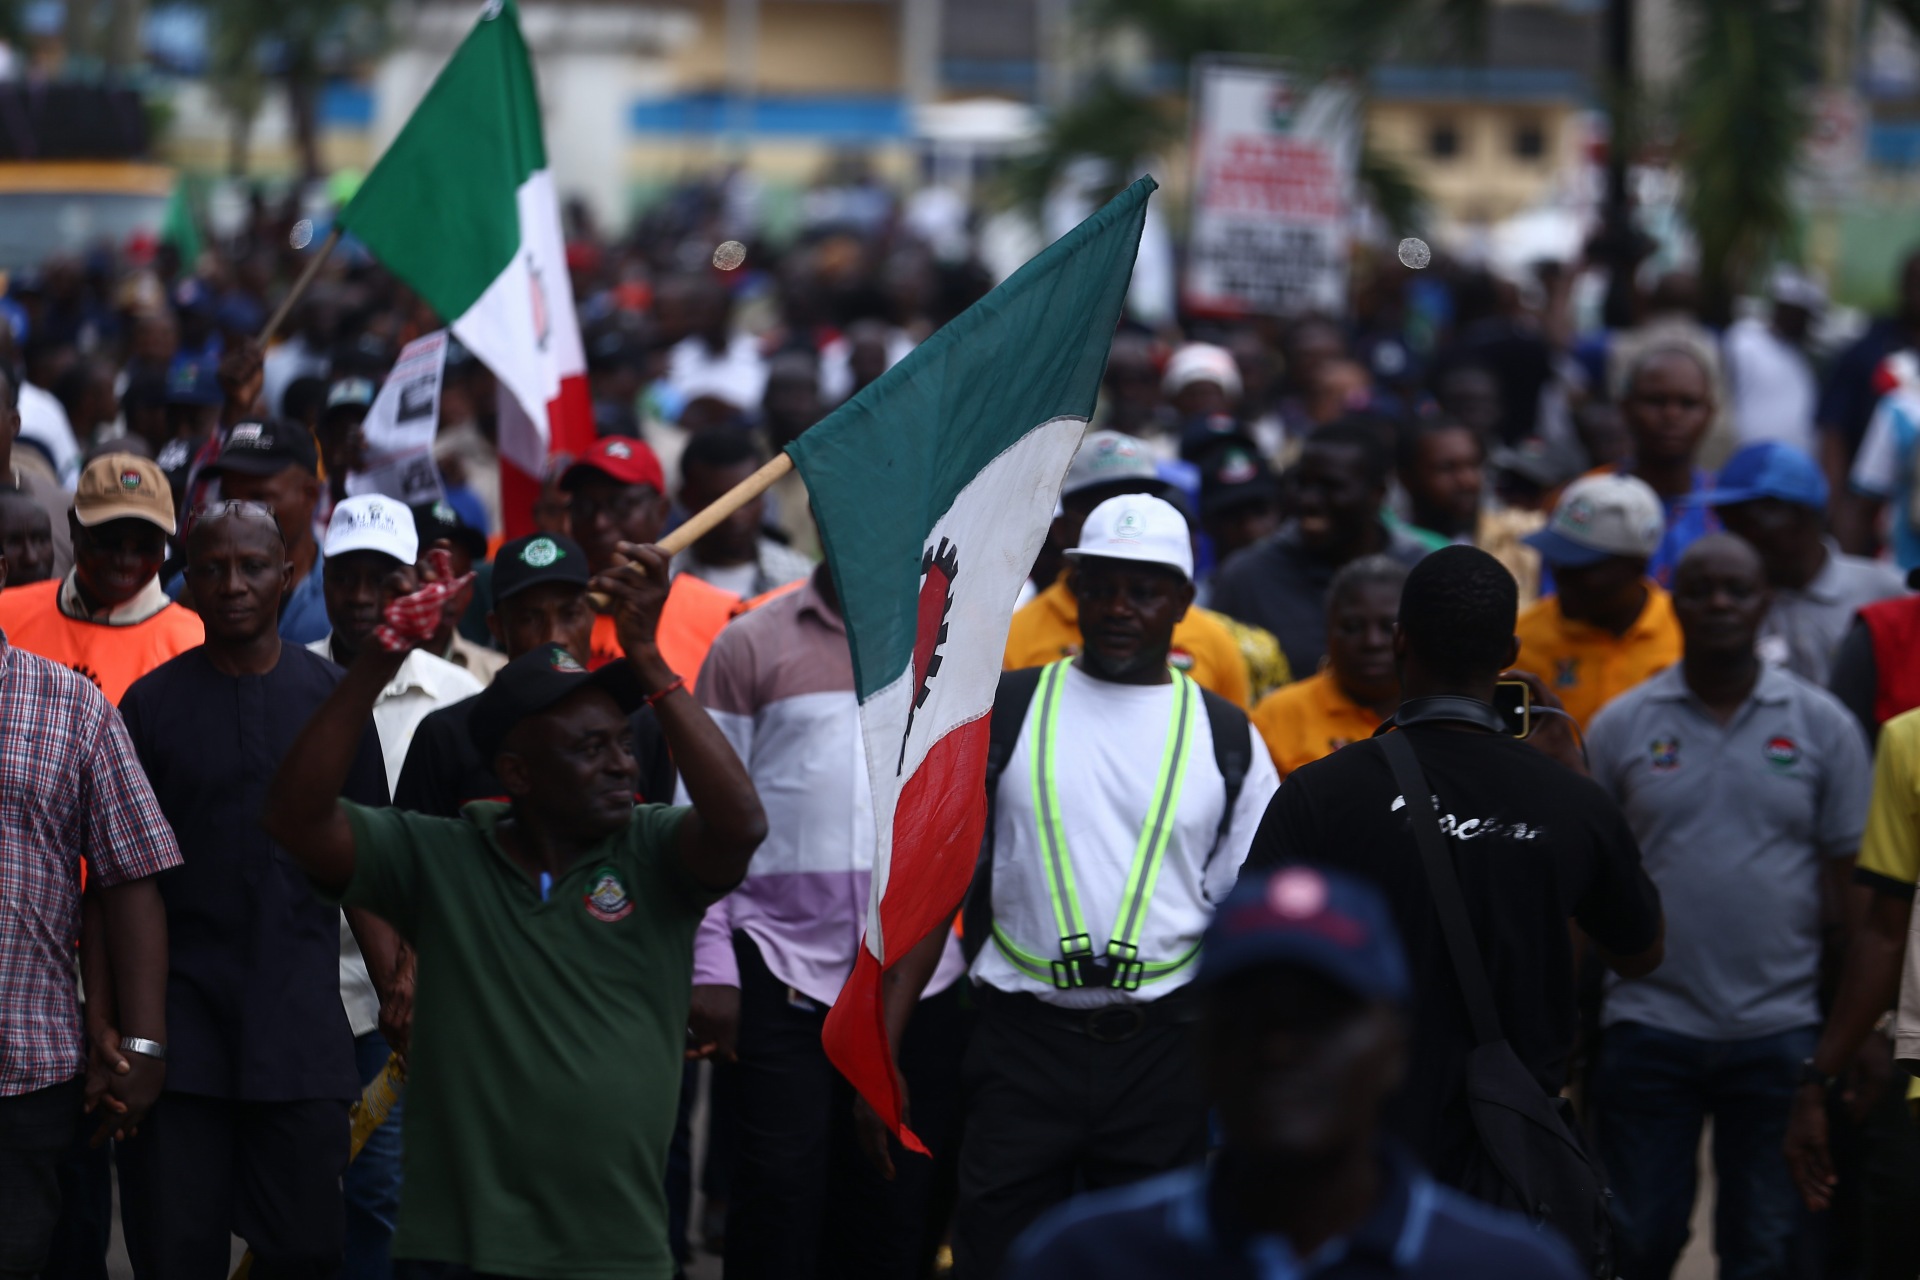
x=303, y=790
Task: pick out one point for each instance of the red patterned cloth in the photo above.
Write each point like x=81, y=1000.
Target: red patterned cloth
x=412, y=619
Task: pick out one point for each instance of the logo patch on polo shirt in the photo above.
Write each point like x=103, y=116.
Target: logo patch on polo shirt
x=1666, y=754
x=1782, y=753
x=608, y=899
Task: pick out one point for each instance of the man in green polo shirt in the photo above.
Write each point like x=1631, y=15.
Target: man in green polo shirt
x=555, y=943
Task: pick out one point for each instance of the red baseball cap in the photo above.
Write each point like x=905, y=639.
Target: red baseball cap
x=619, y=458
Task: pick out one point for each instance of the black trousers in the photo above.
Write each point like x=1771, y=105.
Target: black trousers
x=36, y=1129
x=205, y=1169
x=1056, y=1104
x=805, y=1202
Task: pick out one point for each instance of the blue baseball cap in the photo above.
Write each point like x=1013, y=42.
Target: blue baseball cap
x=1310, y=918
x=1767, y=470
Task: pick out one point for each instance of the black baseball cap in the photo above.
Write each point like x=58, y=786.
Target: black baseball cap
x=438, y=519
x=537, y=680
x=267, y=449
x=541, y=557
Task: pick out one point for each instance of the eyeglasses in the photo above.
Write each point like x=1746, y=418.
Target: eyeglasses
x=229, y=507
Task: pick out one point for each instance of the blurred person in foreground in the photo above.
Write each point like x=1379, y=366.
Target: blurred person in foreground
x=1747, y=788
x=1535, y=845
x=1774, y=497
x=1337, y=489
x=1608, y=626
x=533, y=918
x=736, y=556
x=1302, y=1040
x=1047, y=627
x=251, y=1137
x=108, y=619
x=1347, y=699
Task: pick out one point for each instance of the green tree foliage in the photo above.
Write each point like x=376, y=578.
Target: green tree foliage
x=255, y=43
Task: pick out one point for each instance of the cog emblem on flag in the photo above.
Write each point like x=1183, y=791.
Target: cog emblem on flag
x=938, y=568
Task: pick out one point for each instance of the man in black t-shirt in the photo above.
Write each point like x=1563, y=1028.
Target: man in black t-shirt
x=1534, y=844
x=539, y=598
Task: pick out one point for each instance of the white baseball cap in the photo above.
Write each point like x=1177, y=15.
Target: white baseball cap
x=1599, y=517
x=1201, y=362
x=373, y=522
x=1137, y=526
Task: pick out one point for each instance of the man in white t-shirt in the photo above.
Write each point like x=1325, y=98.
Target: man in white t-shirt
x=368, y=538
x=1769, y=377
x=1120, y=817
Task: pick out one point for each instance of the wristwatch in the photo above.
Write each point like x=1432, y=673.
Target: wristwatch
x=1809, y=1074
x=145, y=1048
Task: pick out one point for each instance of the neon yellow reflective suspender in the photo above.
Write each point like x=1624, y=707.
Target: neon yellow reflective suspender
x=1077, y=961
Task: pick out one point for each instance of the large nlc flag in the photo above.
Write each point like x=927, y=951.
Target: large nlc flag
x=933, y=489
x=462, y=208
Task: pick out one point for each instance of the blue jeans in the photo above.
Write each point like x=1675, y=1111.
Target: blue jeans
x=1651, y=1091
x=372, y=1183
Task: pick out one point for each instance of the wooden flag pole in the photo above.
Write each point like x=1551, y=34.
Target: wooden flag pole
x=704, y=521
x=280, y=313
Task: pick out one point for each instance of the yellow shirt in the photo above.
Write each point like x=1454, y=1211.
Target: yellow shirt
x=1266, y=662
x=1890, y=848
x=1314, y=718
x=1587, y=666
x=1047, y=629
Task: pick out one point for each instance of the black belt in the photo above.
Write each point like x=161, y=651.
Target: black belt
x=1108, y=1024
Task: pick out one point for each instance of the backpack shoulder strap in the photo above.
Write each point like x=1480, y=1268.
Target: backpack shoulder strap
x=1232, y=755
x=1010, y=703
x=1444, y=884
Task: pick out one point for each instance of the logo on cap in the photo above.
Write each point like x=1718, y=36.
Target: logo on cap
x=1578, y=513
x=564, y=661
x=1237, y=468
x=619, y=449
x=1297, y=893
x=248, y=433
x=1128, y=529
x=540, y=553
x=129, y=479
x=608, y=900
x=443, y=511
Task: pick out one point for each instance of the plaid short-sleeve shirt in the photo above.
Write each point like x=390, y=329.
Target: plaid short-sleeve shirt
x=70, y=787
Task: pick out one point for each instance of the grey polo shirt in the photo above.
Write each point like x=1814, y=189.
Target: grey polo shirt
x=1804, y=628
x=1734, y=821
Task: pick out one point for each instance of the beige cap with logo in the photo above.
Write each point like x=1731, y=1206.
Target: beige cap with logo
x=123, y=486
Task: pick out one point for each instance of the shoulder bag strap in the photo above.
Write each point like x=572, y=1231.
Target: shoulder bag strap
x=1444, y=883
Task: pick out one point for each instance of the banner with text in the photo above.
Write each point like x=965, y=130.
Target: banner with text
x=1274, y=166
x=396, y=456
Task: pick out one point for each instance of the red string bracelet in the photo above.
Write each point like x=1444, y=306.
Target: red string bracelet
x=679, y=682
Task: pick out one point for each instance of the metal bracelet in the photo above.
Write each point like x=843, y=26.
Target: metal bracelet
x=145, y=1048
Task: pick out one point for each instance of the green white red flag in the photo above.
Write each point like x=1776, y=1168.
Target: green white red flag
x=933, y=489
x=462, y=207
